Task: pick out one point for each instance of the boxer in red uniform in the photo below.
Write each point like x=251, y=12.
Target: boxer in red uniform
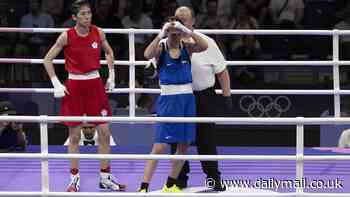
x=84, y=92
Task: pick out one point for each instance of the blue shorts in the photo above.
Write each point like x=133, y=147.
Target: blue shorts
x=178, y=105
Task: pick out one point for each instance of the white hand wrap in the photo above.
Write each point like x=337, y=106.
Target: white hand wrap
x=151, y=69
x=59, y=89
x=110, y=84
x=164, y=30
x=182, y=27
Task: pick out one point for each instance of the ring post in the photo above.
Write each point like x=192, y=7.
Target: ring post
x=132, y=73
x=300, y=154
x=44, y=151
x=336, y=80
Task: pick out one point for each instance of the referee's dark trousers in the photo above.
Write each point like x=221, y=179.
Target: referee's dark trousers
x=205, y=137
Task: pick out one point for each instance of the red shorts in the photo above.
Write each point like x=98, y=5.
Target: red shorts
x=85, y=98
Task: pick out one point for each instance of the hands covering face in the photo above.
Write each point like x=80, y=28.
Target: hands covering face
x=173, y=26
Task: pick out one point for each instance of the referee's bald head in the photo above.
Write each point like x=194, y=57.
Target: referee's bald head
x=185, y=15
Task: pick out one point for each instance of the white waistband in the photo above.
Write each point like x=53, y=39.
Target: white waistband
x=176, y=89
x=86, y=76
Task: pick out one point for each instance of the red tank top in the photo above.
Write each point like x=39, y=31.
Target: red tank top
x=82, y=54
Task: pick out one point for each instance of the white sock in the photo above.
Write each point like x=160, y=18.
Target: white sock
x=104, y=175
x=74, y=175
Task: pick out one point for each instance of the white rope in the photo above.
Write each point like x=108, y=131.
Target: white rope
x=327, y=194
x=218, y=194
x=148, y=157
x=131, y=194
x=157, y=91
x=223, y=120
x=128, y=194
x=206, y=31
x=286, y=63
x=229, y=63
x=274, y=32
x=50, y=90
x=176, y=157
x=61, y=61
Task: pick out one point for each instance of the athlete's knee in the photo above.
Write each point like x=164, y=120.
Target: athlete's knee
x=104, y=136
x=158, y=148
x=104, y=132
x=74, y=135
x=182, y=148
x=74, y=139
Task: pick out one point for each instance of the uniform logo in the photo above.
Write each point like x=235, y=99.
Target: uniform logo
x=94, y=45
x=184, y=61
x=104, y=112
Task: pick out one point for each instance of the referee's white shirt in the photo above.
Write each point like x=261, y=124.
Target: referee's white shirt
x=206, y=64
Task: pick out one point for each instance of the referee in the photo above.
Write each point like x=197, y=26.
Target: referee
x=205, y=66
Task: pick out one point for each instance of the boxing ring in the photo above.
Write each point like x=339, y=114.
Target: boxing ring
x=41, y=171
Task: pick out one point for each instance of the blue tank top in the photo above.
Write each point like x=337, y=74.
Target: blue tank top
x=174, y=71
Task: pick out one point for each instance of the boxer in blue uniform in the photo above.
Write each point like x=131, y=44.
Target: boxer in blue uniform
x=176, y=97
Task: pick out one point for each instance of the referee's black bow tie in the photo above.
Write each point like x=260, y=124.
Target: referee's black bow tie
x=88, y=142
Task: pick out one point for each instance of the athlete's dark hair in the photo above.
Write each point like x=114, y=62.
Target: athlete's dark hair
x=76, y=6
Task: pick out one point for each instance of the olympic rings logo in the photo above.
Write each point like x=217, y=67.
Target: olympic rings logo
x=264, y=105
